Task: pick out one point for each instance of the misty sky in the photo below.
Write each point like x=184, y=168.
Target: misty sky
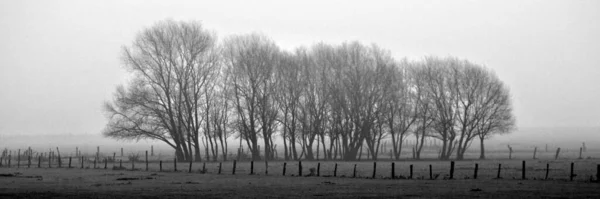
x=59, y=60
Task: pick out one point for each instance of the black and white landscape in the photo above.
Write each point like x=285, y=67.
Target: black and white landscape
x=299, y=99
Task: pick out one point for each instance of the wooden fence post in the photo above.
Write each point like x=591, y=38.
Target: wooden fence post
x=19, y=159
x=354, y=171
x=82, y=162
x=572, y=174
x=190, y=168
x=284, y=165
x=175, y=164
x=430, y=173
x=374, y=169
x=39, y=161
x=160, y=166
x=105, y=163
x=220, y=165
x=335, y=170
x=120, y=164
x=547, y=171
x=252, y=167
x=299, y=168
x=204, y=167
x=598, y=173
x=499, y=169
x=475, y=174
x=557, y=152
x=319, y=169
x=411, y=172
x=523, y=172
x=146, y=160
x=451, y=169
x=233, y=171
x=393, y=170
x=534, y=152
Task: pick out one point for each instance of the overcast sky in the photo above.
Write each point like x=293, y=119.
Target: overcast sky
x=59, y=59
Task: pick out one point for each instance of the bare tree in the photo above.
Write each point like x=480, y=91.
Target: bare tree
x=171, y=62
x=496, y=115
x=251, y=60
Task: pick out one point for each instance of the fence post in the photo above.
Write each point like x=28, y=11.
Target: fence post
x=105, y=163
x=354, y=171
x=251, y=167
x=175, y=164
x=451, y=169
x=49, y=160
x=319, y=169
x=284, y=165
x=19, y=159
x=233, y=171
x=146, y=160
x=120, y=164
x=557, y=152
x=499, y=169
x=299, y=168
x=411, y=172
x=82, y=162
x=547, y=170
x=524, y=169
x=374, y=169
x=220, y=165
x=393, y=170
x=572, y=174
x=160, y=165
x=190, y=168
x=598, y=173
x=430, y=173
x=266, y=167
x=39, y=161
x=534, y=152
x=335, y=170
x=475, y=174
x=204, y=167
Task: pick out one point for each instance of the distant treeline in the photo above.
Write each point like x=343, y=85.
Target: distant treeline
x=192, y=91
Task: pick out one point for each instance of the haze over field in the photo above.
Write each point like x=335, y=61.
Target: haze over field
x=59, y=60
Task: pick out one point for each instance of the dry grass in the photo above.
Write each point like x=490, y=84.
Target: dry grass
x=76, y=182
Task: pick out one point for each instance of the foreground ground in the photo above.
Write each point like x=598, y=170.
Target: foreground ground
x=85, y=183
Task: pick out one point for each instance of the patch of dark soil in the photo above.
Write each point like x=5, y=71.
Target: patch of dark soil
x=188, y=182
x=140, y=178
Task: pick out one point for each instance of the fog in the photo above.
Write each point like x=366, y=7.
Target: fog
x=59, y=60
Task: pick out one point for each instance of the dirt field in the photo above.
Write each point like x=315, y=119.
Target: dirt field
x=100, y=183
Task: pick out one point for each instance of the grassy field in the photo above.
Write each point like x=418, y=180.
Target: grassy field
x=109, y=183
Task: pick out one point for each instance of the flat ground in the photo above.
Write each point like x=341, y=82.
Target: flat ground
x=100, y=183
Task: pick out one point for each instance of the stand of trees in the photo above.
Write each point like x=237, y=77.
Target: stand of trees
x=193, y=92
